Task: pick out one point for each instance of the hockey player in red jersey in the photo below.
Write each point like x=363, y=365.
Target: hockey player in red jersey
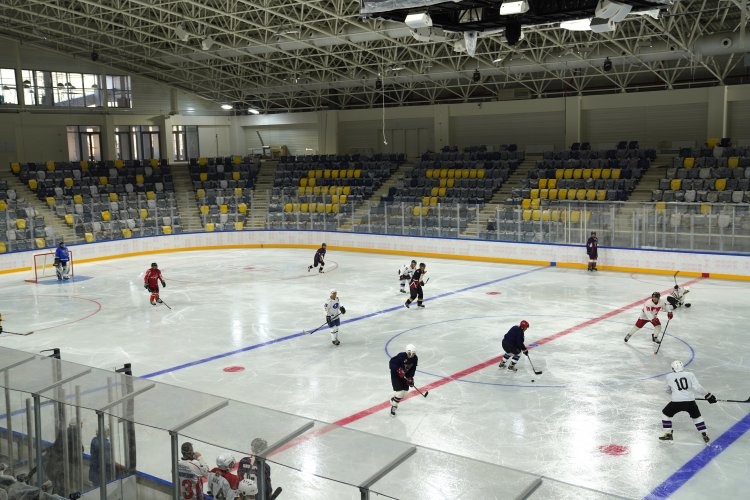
x=151, y=283
x=649, y=314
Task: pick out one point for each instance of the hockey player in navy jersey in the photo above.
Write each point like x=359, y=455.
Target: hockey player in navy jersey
x=513, y=345
x=319, y=258
x=415, y=286
x=403, y=366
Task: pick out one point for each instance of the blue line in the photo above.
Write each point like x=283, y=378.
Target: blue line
x=694, y=465
x=300, y=334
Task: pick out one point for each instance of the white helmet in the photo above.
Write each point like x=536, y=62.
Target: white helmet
x=411, y=348
x=332, y=291
x=248, y=487
x=225, y=461
x=677, y=366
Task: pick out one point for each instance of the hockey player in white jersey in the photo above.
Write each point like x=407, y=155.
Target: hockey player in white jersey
x=649, y=314
x=405, y=274
x=333, y=310
x=677, y=297
x=683, y=385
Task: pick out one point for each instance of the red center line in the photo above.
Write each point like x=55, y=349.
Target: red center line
x=458, y=375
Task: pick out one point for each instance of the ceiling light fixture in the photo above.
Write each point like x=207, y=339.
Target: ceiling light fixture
x=226, y=106
x=253, y=111
x=207, y=43
x=419, y=20
x=577, y=25
x=181, y=33
x=514, y=7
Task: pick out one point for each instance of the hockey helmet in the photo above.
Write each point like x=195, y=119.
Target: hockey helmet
x=677, y=366
x=411, y=349
x=61, y=244
x=524, y=324
x=676, y=287
x=323, y=245
x=332, y=291
x=225, y=461
x=153, y=264
x=248, y=487
x=656, y=295
x=414, y=262
x=258, y=445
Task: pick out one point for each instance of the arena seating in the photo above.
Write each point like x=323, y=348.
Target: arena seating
x=223, y=190
x=316, y=191
x=22, y=227
x=108, y=199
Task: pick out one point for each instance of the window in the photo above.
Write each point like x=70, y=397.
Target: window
x=9, y=93
x=55, y=88
x=118, y=92
x=185, y=142
x=137, y=142
x=84, y=143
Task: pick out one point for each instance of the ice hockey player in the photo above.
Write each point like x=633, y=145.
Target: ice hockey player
x=151, y=283
x=403, y=366
x=62, y=259
x=191, y=470
x=333, y=312
x=649, y=314
x=247, y=490
x=249, y=467
x=513, y=345
x=405, y=274
x=222, y=483
x=677, y=297
x=415, y=286
x=320, y=256
x=592, y=249
x=683, y=385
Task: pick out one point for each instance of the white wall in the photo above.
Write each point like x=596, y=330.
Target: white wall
x=661, y=262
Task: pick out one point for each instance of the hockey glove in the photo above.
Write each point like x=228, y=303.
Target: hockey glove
x=410, y=381
x=526, y=352
x=329, y=321
x=146, y=287
x=164, y=284
x=343, y=310
x=710, y=398
x=670, y=315
x=401, y=373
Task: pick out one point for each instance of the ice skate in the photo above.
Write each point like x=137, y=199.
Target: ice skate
x=402, y=290
x=335, y=342
x=153, y=302
x=668, y=436
x=309, y=268
x=393, y=411
x=706, y=439
x=406, y=304
x=320, y=270
x=420, y=305
x=512, y=367
x=655, y=339
x=501, y=365
x=159, y=301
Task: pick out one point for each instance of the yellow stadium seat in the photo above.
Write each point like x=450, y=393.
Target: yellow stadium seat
x=308, y=191
x=606, y=173
x=139, y=179
x=534, y=194
x=586, y=173
x=236, y=160
x=166, y=230
x=342, y=174
x=688, y=162
x=89, y=237
x=328, y=207
x=711, y=142
x=443, y=172
x=526, y=215
x=526, y=203
x=311, y=182
x=242, y=208
x=350, y=173
x=535, y=203
x=345, y=190
x=68, y=181
x=572, y=194
x=316, y=190
x=33, y=184
x=675, y=184
x=119, y=164
x=575, y=216
x=424, y=210
x=114, y=197
x=127, y=232
x=733, y=162
x=303, y=182
x=200, y=193
x=210, y=227
x=591, y=194
x=239, y=225
x=559, y=173
x=334, y=174
x=720, y=184
x=357, y=173
x=453, y=173
x=706, y=208
x=310, y=174
x=50, y=201
x=15, y=167
x=562, y=194
x=542, y=184
x=3, y=248
x=544, y=194
x=326, y=174
x=335, y=208
x=203, y=176
x=103, y=180
x=204, y=209
x=287, y=207
x=39, y=242
x=434, y=191
x=596, y=173
x=223, y=208
x=428, y=173
x=324, y=189
x=441, y=191
x=545, y=215
x=551, y=183
x=425, y=200
x=238, y=191
x=202, y=161
x=106, y=216
x=69, y=219
x=77, y=199
x=480, y=173
x=553, y=194
x=450, y=183
x=577, y=173
x=472, y=173
x=536, y=215
x=50, y=166
x=84, y=164
x=555, y=216
x=236, y=176
x=568, y=173
x=660, y=207
x=321, y=208
x=443, y=183
x=304, y=207
x=601, y=194
x=415, y=210
x=143, y=212
x=150, y=195
x=318, y=174
x=581, y=194
x=616, y=173
x=154, y=164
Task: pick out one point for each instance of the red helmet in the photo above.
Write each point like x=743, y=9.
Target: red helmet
x=524, y=324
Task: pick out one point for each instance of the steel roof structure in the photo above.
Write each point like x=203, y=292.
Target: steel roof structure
x=304, y=55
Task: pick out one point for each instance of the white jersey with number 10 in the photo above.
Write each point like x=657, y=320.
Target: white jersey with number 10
x=683, y=386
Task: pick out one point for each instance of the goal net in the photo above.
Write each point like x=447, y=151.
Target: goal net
x=44, y=266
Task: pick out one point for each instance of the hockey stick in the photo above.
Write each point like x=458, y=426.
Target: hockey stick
x=658, y=346
x=675, y=276
x=17, y=333
x=536, y=372
x=306, y=332
x=276, y=493
x=726, y=400
x=161, y=301
x=423, y=394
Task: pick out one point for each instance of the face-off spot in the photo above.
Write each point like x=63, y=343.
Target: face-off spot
x=494, y=293
x=614, y=449
x=232, y=369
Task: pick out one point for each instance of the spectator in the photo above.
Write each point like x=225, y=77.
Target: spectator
x=108, y=459
x=491, y=225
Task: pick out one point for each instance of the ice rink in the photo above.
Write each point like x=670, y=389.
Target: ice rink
x=592, y=419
